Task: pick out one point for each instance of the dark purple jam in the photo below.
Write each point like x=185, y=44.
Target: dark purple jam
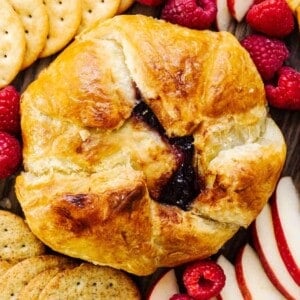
x=183, y=186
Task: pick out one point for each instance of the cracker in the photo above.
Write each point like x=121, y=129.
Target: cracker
x=93, y=11
x=91, y=282
x=12, y=43
x=33, y=15
x=124, y=5
x=17, y=242
x=64, y=19
x=34, y=287
x=4, y=266
x=293, y=4
x=18, y=276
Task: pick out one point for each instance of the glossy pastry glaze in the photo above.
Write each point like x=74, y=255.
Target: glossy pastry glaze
x=94, y=171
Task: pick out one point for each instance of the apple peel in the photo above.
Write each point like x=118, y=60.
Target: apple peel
x=285, y=206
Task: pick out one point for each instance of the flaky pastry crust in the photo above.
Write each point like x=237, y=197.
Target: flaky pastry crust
x=92, y=169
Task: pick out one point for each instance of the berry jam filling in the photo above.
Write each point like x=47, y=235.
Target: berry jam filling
x=183, y=186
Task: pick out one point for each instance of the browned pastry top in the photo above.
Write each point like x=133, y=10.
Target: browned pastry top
x=96, y=168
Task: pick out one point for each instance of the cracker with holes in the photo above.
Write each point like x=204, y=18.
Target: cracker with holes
x=93, y=11
x=16, y=278
x=5, y=265
x=33, y=15
x=12, y=43
x=17, y=242
x=64, y=18
x=35, y=286
x=89, y=281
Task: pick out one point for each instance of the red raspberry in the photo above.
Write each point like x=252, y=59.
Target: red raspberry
x=287, y=93
x=181, y=297
x=150, y=2
x=10, y=154
x=9, y=110
x=268, y=54
x=190, y=13
x=271, y=17
x=203, y=279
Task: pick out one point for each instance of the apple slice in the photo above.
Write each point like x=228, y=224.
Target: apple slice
x=164, y=287
x=231, y=290
x=267, y=250
x=224, y=18
x=251, y=277
x=286, y=220
x=239, y=8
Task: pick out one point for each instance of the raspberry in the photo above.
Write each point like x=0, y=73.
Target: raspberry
x=10, y=154
x=190, y=13
x=268, y=54
x=271, y=17
x=203, y=279
x=150, y=2
x=287, y=93
x=9, y=110
x=181, y=297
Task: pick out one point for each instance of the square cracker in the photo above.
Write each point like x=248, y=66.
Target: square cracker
x=93, y=11
x=33, y=15
x=12, y=43
x=64, y=18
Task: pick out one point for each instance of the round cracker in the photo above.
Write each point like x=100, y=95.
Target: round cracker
x=12, y=43
x=17, y=242
x=93, y=11
x=5, y=265
x=64, y=19
x=35, y=286
x=33, y=15
x=18, y=276
x=124, y=5
x=91, y=282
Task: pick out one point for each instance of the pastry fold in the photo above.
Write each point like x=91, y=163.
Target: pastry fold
x=93, y=172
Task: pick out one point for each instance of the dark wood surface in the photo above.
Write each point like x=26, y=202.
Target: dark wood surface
x=288, y=121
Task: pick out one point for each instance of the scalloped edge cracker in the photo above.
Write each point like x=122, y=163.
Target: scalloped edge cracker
x=12, y=43
x=33, y=15
x=93, y=11
x=64, y=19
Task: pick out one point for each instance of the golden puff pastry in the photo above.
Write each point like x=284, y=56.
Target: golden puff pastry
x=95, y=171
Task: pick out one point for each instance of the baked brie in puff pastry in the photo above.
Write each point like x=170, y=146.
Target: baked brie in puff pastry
x=146, y=144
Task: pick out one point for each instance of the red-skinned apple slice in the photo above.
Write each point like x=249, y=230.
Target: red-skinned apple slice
x=285, y=208
x=224, y=18
x=231, y=290
x=271, y=260
x=164, y=287
x=239, y=8
x=252, y=279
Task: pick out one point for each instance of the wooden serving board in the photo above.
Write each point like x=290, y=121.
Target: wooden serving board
x=288, y=121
